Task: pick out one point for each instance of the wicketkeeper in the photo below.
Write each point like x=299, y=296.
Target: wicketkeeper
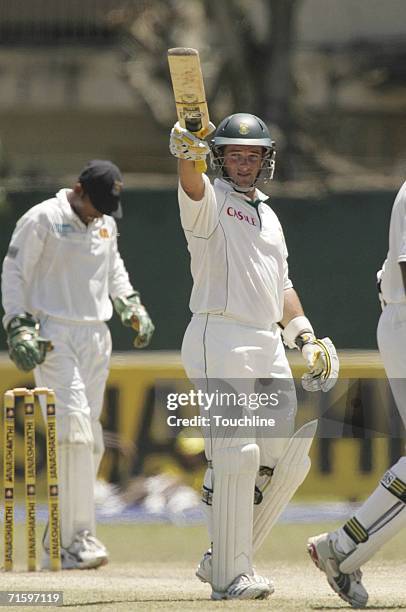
x=60, y=274
x=243, y=304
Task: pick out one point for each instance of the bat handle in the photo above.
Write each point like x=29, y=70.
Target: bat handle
x=201, y=166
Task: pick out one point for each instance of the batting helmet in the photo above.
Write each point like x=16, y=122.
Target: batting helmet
x=243, y=129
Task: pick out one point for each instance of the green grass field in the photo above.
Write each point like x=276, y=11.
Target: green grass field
x=152, y=568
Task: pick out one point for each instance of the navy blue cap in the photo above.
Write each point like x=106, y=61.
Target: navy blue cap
x=102, y=181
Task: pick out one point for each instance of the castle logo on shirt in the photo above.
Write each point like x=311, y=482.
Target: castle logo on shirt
x=237, y=214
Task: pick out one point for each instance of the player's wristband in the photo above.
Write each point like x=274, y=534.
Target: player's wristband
x=296, y=327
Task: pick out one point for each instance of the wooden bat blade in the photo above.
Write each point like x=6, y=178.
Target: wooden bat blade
x=188, y=88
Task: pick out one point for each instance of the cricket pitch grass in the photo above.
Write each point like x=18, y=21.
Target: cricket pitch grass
x=152, y=568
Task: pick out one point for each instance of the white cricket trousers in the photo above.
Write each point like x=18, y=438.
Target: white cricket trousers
x=221, y=351
x=76, y=369
x=391, y=336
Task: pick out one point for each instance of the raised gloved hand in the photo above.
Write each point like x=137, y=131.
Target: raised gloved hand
x=133, y=314
x=187, y=145
x=320, y=355
x=26, y=347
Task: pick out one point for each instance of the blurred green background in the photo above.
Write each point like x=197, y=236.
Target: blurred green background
x=336, y=243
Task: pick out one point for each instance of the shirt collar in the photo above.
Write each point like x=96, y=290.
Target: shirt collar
x=226, y=187
x=62, y=197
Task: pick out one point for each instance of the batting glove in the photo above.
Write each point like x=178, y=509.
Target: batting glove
x=320, y=355
x=186, y=145
x=322, y=360
x=133, y=314
x=26, y=347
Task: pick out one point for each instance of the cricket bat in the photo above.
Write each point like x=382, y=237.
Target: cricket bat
x=188, y=89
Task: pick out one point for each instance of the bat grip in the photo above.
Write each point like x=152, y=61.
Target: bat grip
x=201, y=166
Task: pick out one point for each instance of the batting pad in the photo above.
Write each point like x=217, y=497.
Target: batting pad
x=235, y=470
x=289, y=473
x=380, y=518
x=98, y=445
x=207, y=500
x=76, y=477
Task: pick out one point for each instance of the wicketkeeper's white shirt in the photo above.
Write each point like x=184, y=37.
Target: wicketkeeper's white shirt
x=238, y=255
x=58, y=266
x=391, y=281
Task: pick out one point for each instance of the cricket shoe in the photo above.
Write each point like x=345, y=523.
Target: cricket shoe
x=245, y=587
x=325, y=556
x=203, y=572
x=85, y=552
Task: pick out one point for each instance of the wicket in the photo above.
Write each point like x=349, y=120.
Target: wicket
x=30, y=475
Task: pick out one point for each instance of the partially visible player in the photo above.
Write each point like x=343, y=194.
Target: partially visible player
x=61, y=269
x=341, y=553
x=241, y=297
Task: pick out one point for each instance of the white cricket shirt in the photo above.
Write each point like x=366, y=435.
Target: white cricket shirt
x=391, y=281
x=238, y=255
x=58, y=266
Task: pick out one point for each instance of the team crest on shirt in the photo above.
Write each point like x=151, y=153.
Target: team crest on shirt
x=244, y=128
x=104, y=232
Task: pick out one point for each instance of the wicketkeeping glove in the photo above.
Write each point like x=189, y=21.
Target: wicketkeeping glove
x=133, y=314
x=186, y=145
x=26, y=347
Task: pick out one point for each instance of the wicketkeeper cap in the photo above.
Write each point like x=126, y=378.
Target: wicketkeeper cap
x=102, y=181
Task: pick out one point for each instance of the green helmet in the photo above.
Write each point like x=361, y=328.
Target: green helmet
x=243, y=129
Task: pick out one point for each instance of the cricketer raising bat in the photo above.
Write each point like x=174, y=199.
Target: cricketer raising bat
x=190, y=97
